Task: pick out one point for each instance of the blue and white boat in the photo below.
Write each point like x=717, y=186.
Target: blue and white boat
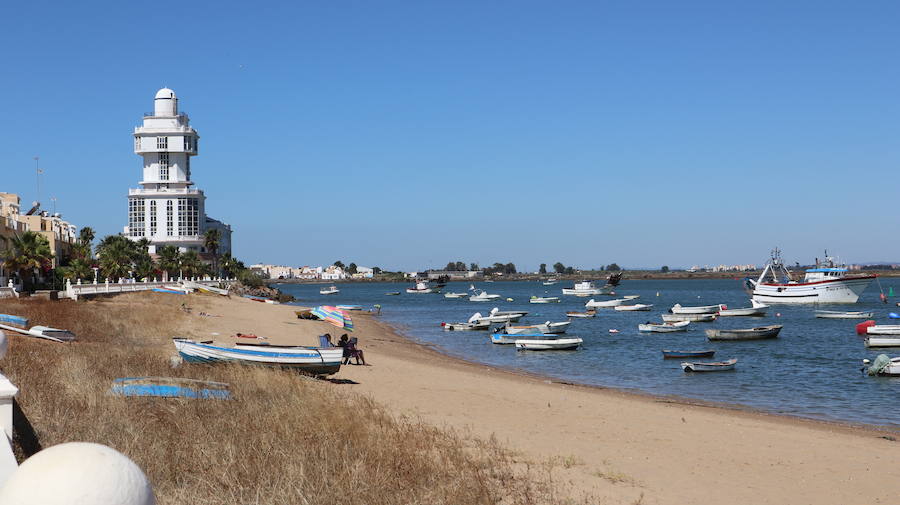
x=10, y=319
x=311, y=360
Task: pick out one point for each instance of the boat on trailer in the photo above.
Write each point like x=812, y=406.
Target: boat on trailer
x=664, y=327
x=672, y=354
x=839, y=314
x=718, y=366
x=311, y=360
x=756, y=309
x=758, y=333
x=828, y=282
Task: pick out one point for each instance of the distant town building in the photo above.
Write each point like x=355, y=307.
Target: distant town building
x=723, y=268
x=60, y=234
x=455, y=274
x=274, y=271
x=333, y=273
x=363, y=273
x=167, y=209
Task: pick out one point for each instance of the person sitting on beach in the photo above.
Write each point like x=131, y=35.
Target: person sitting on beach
x=350, y=351
x=342, y=342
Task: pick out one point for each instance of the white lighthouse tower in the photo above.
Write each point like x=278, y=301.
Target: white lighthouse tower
x=167, y=209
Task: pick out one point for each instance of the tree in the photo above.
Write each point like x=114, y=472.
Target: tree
x=25, y=253
x=339, y=264
x=451, y=266
x=612, y=267
x=376, y=270
x=169, y=261
x=509, y=268
x=86, y=235
x=211, y=242
x=664, y=269
x=543, y=269
x=191, y=266
x=474, y=267
x=78, y=268
x=559, y=268
x=460, y=266
x=351, y=268
x=569, y=270
x=116, y=256
x=230, y=266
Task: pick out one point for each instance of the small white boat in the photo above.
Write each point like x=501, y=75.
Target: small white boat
x=664, y=327
x=631, y=297
x=312, y=360
x=331, y=290
x=837, y=314
x=759, y=333
x=635, y=307
x=545, y=328
x=549, y=282
x=718, y=366
x=423, y=287
x=696, y=318
x=587, y=288
x=585, y=314
x=544, y=299
x=481, y=325
x=883, y=329
x=593, y=304
x=757, y=309
x=483, y=296
x=704, y=309
x=495, y=316
x=883, y=365
x=555, y=344
x=885, y=341
x=455, y=295
x=496, y=312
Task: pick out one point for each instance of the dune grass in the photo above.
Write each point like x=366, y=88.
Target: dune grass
x=282, y=439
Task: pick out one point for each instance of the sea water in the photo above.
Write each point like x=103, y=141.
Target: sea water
x=812, y=370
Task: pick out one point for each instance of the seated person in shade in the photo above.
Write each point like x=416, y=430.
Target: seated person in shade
x=328, y=339
x=350, y=351
x=342, y=342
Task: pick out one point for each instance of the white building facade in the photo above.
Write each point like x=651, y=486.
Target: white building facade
x=167, y=209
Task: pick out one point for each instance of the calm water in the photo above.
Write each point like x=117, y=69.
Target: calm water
x=812, y=370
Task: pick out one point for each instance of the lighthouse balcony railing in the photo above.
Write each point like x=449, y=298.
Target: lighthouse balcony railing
x=173, y=191
x=178, y=115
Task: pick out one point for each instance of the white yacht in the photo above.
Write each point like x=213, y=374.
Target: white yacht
x=826, y=283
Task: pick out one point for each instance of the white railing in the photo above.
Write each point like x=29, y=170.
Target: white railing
x=77, y=290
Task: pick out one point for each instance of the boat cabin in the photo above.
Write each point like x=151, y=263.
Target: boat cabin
x=824, y=274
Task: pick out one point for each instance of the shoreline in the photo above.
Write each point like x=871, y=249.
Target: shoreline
x=437, y=350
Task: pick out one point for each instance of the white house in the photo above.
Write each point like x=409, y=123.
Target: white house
x=333, y=273
x=167, y=209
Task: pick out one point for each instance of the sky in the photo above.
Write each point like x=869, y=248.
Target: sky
x=408, y=134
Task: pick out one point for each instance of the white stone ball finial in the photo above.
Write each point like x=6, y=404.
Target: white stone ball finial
x=78, y=473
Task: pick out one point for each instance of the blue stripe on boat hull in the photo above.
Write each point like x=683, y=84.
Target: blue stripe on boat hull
x=326, y=368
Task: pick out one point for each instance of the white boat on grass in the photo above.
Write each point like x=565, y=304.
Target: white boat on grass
x=594, y=304
x=330, y=290
x=837, y=314
x=481, y=325
x=45, y=332
x=696, y=318
x=482, y=296
x=885, y=341
x=703, y=309
x=544, y=299
x=635, y=307
x=827, y=283
x=756, y=309
x=585, y=314
x=554, y=344
x=718, y=366
x=547, y=328
x=664, y=327
x=455, y=295
x=311, y=360
x=883, y=365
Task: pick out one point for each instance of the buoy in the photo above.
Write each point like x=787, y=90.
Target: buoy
x=77, y=472
x=657, y=293
x=862, y=328
x=778, y=314
x=509, y=299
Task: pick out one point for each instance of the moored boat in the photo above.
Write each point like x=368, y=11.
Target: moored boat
x=496, y=316
x=393, y=293
x=501, y=338
x=544, y=299
x=883, y=329
x=547, y=328
x=745, y=334
x=592, y=304
x=423, y=288
x=664, y=327
x=311, y=360
x=718, y=366
x=702, y=309
x=827, y=283
x=480, y=325
x=455, y=295
x=838, y=314
x=883, y=341
x=635, y=307
x=671, y=354
x=756, y=309
x=330, y=290
x=883, y=365
x=550, y=282
x=550, y=344
x=481, y=295
x=694, y=318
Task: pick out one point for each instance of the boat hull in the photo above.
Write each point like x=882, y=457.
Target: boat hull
x=846, y=290
x=720, y=366
x=561, y=344
x=665, y=327
x=741, y=334
x=830, y=314
x=311, y=360
x=695, y=318
x=877, y=341
x=705, y=309
x=670, y=354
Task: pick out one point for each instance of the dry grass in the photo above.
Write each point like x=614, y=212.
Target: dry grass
x=283, y=439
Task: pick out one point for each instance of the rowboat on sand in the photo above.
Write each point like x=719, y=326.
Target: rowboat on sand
x=310, y=360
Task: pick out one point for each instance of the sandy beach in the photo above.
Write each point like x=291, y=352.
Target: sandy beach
x=618, y=446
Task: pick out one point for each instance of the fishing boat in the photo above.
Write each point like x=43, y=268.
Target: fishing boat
x=703, y=309
x=480, y=325
x=482, y=296
x=330, y=290
x=495, y=316
x=550, y=344
x=550, y=282
x=718, y=366
x=756, y=309
x=664, y=327
x=547, y=327
x=883, y=365
x=885, y=341
x=585, y=314
x=635, y=307
x=45, y=332
x=586, y=288
x=423, y=287
x=311, y=360
x=544, y=299
x=828, y=282
x=670, y=354
x=838, y=314
x=455, y=295
x=696, y=318
x=593, y=304
x=745, y=334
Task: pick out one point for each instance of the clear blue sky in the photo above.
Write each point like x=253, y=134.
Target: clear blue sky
x=408, y=134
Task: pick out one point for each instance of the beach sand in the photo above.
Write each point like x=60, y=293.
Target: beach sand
x=620, y=447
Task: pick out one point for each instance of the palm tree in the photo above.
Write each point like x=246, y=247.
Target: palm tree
x=86, y=235
x=191, y=266
x=78, y=268
x=169, y=260
x=211, y=242
x=116, y=256
x=25, y=253
x=230, y=266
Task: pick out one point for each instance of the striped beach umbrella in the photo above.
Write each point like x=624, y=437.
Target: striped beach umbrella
x=333, y=315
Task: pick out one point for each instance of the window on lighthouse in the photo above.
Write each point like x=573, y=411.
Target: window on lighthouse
x=162, y=142
x=164, y=166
